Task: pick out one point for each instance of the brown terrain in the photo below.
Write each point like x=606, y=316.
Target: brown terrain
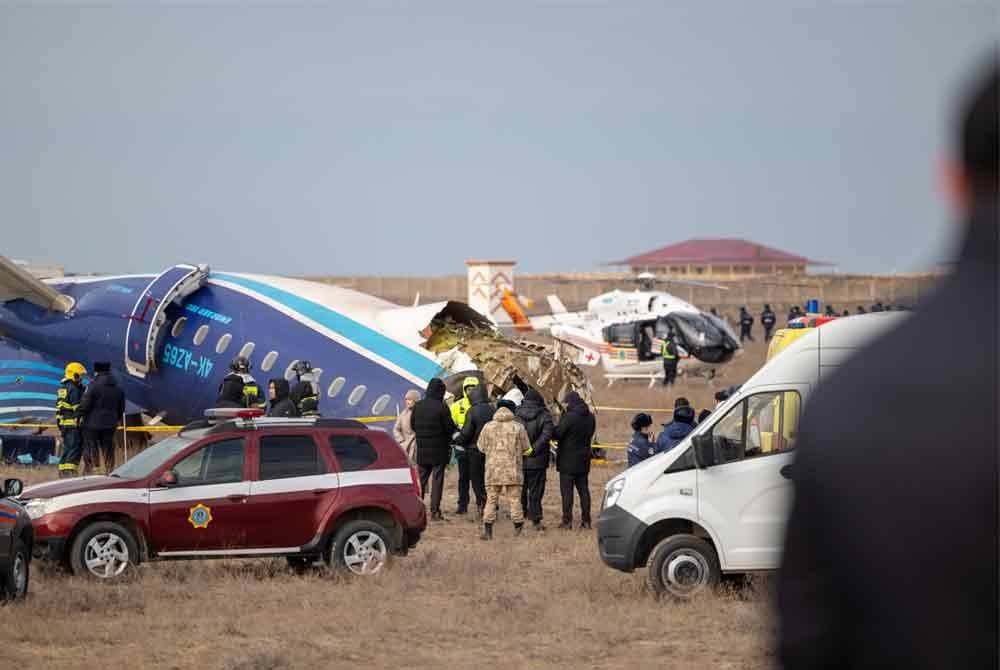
x=542, y=600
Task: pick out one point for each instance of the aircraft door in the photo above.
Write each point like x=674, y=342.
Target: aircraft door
x=143, y=335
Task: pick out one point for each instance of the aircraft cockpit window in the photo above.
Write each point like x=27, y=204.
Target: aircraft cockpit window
x=200, y=335
x=178, y=326
x=247, y=349
x=357, y=394
x=290, y=370
x=223, y=343
x=380, y=404
x=269, y=361
x=335, y=387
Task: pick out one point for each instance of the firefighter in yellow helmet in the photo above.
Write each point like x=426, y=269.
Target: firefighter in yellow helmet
x=67, y=402
x=459, y=408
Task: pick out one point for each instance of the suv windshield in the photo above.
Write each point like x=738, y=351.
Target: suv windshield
x=145, y=462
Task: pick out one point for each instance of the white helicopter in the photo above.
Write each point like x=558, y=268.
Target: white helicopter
x=623, y=330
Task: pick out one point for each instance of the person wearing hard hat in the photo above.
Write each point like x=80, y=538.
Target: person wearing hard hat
x=459, y=409
x=68, y=398
x=305, y=393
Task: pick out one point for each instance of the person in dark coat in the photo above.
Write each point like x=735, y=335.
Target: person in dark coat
x=679, y=428
x=230, y=391
x=890, y=557
x=479, y=414
x=281, y=403
x=641, y=446
x=538, y=422
x=432, y=423
x=101, y=410
x=573, y=436
x=746, y=324
x=767, y=319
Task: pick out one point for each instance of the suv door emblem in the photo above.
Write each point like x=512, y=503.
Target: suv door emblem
x=200, y=516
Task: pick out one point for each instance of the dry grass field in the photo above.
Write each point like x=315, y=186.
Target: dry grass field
x=542, y=600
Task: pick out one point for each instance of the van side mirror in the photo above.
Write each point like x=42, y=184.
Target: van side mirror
x=12, y=488
x=704, y=450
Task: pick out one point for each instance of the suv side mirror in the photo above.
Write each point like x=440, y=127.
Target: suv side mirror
x=167, y=479
x=12, y=488
x=704, y=450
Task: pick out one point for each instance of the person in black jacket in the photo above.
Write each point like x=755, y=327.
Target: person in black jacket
x=538, y=422
x=432, y=424
x=280, y=402
x=305, y=393
x=101, y=409
x=746, y=324
x=478, y=415
x=767, y=319
x=890, y=557
x=574, y=435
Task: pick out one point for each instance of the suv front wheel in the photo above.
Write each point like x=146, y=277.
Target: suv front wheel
x=360, y=547
x=103, y=550
x=682, y=566
x=14, y=584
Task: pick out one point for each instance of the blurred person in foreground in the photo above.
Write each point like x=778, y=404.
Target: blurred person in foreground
x=432, y=423
x=891, y=550
x=503, y=442
x=402, y=431
x=574, y=435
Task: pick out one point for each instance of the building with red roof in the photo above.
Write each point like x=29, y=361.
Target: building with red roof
x=729, y=258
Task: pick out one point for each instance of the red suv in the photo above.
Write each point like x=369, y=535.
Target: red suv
x=301, y=488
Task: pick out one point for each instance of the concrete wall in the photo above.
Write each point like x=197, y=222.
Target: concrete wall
x=843, y=291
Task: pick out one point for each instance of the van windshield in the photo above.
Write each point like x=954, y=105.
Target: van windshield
x=143, y=464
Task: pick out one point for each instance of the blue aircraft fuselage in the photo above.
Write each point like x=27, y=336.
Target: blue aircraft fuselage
x=363, y=371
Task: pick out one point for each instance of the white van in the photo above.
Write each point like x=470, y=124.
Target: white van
x=717, y=503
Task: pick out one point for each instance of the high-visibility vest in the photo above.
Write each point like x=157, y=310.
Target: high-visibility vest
x=665, y=351
x=67, y=402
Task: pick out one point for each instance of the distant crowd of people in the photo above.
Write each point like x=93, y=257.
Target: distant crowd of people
x=502, y=448
x=768, y=319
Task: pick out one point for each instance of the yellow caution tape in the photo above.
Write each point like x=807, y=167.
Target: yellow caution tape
x=632, y=409
x=621, y=447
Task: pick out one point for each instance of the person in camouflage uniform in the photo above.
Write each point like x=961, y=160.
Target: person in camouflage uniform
x=503, y=441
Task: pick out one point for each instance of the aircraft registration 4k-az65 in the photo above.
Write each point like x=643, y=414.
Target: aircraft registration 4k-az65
x=170, y=337
x=623, y=330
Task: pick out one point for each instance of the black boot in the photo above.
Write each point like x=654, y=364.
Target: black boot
x=565, y=525
x=518, y=527
x=537, y=525
x=585, y=525
x=487, y=532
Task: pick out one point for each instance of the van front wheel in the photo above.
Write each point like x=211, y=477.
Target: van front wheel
x=682, y=566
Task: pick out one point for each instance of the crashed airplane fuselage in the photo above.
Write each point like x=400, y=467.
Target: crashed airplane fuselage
x=170, y=337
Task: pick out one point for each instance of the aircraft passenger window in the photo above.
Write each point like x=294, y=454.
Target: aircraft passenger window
x=247, y=349
x=335, y=387
x=200, y=335
x=290, y=370
x=223, y=343
x=357, y=394
x=178, y=326
x=269, y=361
x=216, y=463
x=353, y=453
x=380, y=404
x=283, y=456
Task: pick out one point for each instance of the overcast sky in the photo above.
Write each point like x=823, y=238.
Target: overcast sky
x=403, y=139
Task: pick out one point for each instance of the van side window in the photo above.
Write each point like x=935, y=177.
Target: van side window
x=761, y=425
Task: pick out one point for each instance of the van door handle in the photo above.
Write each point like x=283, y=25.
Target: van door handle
x=237, y=497
x=787, y=471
